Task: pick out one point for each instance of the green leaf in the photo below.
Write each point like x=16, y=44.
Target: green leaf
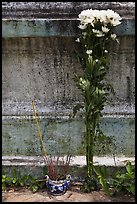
x=22, y=183
x=34, y=188
x=14, y=180
x=97, y=171
x=104, y=171
x=4, y=176
x=129, y=167
x=105, y=186
x=132, y=189
x=15, y=173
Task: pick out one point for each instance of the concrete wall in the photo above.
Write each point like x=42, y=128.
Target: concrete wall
x=38, y=62
x=43, y=69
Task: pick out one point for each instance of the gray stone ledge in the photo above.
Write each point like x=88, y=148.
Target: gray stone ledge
x=10, y=108
x=63, y=10
x=76, y=160
x=52, y=27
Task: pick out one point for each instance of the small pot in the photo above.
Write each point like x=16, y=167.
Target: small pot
x=58, y=187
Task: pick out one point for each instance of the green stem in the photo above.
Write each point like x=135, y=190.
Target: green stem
x=90, y=144
x=92, y=141
x=88, y=147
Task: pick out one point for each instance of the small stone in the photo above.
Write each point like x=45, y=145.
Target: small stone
x=11, y=190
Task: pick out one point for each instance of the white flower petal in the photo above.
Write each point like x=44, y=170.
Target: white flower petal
x=89, y=52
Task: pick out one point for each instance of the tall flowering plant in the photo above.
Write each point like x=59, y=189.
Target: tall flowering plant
x=96, y=34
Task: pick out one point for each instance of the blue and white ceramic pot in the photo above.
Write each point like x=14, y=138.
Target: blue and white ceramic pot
x=58, y=187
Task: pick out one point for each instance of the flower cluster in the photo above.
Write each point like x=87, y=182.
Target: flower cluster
x=101, y=21
x=105, y=17
x=97, y=31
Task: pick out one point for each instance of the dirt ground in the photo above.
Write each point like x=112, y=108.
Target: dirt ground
x=72, y=195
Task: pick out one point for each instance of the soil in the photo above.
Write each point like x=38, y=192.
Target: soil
x=74, y=194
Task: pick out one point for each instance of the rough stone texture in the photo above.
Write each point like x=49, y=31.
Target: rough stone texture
x=43, y=69
x=55, y=27
x=79, y=161
x=62, y=10
x=39, y=68
x=29, y=19
x=63, y=136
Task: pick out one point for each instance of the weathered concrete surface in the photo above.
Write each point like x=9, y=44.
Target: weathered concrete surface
x=75, y=161
x=42, y=28
x=32, y=69
x=62, y=136
x=41, y=69
x=63, y=10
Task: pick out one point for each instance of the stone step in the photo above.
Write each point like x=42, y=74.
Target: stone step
x=75, y=160
x=35, y=166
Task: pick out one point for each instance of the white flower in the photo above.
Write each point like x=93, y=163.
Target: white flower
x=113, y=36
x=109, y=16
x=114, y=22
x=89, y=20
x=84, y=15
x=105, y=51
x=88, y=16
x=82, y=26
x=100, y=35
x=105, y=29
x=89, y=52
x=96, y=60
x=114, y=18
x=97, y=32
x=80, y=79
x=77, y=40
